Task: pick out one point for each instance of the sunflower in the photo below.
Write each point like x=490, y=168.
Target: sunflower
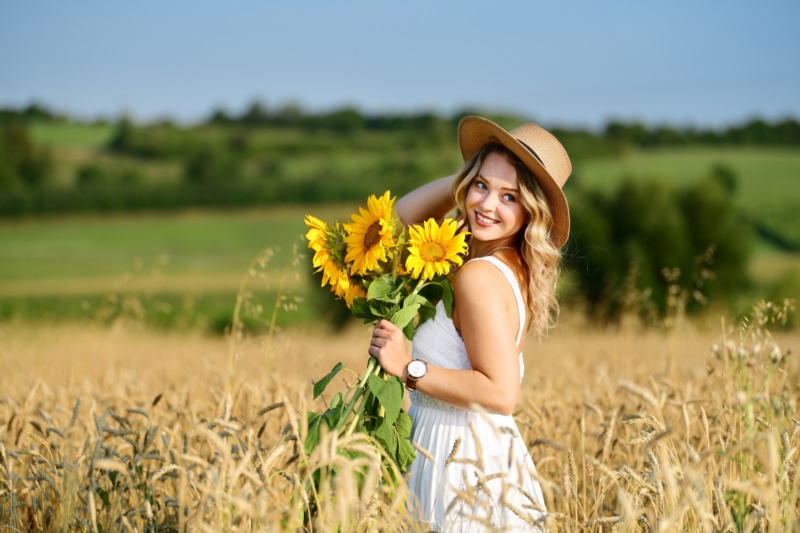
x=317, y=234
x=353, y=291
x=432, y=248
x=328, y=246
x=370, y=236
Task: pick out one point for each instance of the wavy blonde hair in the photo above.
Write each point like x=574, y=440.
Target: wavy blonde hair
x=539, y=256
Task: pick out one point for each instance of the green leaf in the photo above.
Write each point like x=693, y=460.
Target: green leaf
x=312, y=437
x=404, y=316
x=361, y=308
x=405, y=454
x=319, y=386
x=414, y=300
x=389, y=393
x=403, y=425
x=332, y=416
x=379, y=288
x=447, y=297
x=394, y=300
x=426, y=312
x=385, y=434
x=337, y=400
x=409, y=330
x=379, y=309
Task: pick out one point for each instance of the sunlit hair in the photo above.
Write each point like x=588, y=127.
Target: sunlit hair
x=539, y=256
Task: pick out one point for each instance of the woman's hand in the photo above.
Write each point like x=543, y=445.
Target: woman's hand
x=388, y=346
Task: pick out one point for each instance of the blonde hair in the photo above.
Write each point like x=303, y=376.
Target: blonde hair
x=540, y=257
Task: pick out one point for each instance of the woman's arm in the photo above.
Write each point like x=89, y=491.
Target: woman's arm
x=488, y=316
x=433, y=200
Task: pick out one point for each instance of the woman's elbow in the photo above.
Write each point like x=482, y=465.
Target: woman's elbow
x=506, y=409
x=405, y=211
x=506, y=402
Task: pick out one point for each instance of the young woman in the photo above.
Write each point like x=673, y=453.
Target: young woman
x=464, y=374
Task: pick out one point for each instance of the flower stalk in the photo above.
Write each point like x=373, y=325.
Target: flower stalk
x=365, y=397
x=372, y=366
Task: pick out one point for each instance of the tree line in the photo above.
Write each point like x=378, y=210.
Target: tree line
x=785, y=132
x=347, y=119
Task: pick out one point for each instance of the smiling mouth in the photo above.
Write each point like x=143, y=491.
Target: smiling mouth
x=484, y=219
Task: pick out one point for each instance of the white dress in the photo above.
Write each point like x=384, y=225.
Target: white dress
x=490, y=482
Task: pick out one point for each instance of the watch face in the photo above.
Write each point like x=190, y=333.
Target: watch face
x=417, y=369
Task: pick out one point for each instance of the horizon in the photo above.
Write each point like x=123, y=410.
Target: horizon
x=235, y=115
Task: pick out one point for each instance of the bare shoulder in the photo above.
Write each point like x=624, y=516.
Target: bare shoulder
x=485, y=305
x=476, y=270
x=481, y=280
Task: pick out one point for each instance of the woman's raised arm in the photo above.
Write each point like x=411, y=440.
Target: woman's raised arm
x=433, y=200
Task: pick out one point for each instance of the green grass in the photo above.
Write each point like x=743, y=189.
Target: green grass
x=72, y=134
x=210, y=242
x=172, y=270
x=768, y=179
x=209, y=311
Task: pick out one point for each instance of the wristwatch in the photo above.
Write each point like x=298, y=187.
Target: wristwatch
x=416, y=370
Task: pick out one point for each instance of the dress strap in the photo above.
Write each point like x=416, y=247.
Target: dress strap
x=512, y=279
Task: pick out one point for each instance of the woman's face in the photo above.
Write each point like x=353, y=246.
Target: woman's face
x=493, y=203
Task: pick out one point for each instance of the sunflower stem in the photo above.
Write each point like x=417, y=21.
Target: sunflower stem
x=419, y=286
x=359, y=391
x=359, y=413
x=381, y=409
x=357, y=416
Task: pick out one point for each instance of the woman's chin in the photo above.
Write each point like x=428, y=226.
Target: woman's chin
x=480, y=233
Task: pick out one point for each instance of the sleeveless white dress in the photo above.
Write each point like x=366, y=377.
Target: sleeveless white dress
x=490, y=482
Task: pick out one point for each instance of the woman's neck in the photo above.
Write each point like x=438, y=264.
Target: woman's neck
x=482, y=248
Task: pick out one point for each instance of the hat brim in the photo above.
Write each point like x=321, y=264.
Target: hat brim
x=475, y=132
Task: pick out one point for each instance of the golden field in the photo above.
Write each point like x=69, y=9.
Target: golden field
x=131, y=429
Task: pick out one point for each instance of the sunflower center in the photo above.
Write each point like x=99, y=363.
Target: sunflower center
x=431, y=252
x=373, y=235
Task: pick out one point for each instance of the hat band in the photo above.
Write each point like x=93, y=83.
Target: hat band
x=523, y=143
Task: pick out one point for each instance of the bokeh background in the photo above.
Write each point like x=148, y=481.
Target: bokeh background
x=150, y=151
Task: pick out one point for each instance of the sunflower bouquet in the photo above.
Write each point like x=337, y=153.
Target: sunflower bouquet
x=381, y=271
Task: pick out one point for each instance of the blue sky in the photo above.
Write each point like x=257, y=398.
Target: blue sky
x=710, y=63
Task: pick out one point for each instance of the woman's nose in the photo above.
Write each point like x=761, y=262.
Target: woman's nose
x=488, y=202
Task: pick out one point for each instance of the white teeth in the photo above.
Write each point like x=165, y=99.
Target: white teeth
x=485, y=219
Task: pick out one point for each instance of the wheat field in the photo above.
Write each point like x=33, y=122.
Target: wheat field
x=124, y=428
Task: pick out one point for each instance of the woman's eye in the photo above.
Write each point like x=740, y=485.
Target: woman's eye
x=509, y=198
x=480, y=185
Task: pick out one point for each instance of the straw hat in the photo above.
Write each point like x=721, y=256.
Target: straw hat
x=538, y=150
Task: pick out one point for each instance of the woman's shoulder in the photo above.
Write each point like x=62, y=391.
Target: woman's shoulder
x=489, y=274
x=490, y=266
x=478, y=269
x=480, y=278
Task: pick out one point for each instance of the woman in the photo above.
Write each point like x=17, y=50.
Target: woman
x=464, y=373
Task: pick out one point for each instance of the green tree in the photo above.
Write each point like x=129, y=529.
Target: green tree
x=623, y=241
x=22, y=165
x=122, y=139
x=344, y=120
x=212, y=167
x=91, y=176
